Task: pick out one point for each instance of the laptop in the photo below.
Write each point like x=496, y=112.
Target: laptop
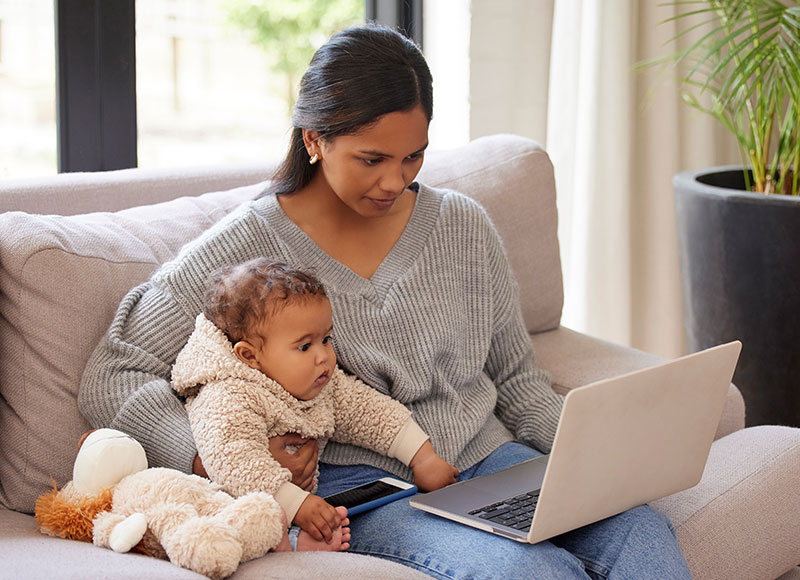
x=620, y=442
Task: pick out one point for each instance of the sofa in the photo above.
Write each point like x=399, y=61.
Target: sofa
x=71, y=245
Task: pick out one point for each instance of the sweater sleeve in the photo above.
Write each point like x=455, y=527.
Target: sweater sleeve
x=126, y=385
x=370, y=419
x=526, y=402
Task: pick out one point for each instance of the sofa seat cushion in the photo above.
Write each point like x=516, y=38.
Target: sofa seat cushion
x=741, y=520
x=27, y=553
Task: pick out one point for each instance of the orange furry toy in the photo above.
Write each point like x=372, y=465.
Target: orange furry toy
x=115, y=501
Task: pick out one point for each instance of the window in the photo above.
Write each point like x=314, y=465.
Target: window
x=27, y=88
x=212, y=87
x=205, y=93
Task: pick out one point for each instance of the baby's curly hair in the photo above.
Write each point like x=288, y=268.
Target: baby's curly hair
x=240, y=296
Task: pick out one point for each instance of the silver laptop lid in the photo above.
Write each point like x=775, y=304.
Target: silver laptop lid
x=628, y=440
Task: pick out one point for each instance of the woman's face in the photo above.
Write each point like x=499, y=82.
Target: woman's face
x=368, y=171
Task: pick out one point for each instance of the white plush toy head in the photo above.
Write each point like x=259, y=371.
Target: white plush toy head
x=104, y=459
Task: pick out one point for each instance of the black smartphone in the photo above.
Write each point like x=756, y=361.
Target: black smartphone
x=371, y=495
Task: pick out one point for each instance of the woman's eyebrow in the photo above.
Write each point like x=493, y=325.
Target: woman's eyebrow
x=375, y=153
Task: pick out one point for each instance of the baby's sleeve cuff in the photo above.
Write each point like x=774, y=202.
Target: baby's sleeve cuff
x=407, y=442
x=290, y=496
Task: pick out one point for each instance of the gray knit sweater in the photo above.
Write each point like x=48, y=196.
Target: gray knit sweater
x=438, y=327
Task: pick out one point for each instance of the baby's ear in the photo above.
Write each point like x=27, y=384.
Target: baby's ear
x=246, y=353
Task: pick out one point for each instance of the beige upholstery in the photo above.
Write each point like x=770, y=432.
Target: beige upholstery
x=25, y=553
x=575, y=359
x=737, y=507
x=61, y=281
x=62, y=277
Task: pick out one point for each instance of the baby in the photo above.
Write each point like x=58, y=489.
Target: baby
x=261, y=363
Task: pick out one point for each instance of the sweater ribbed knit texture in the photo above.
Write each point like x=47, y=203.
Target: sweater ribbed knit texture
x=438, y=327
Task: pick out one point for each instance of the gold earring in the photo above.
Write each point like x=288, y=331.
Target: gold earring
x=314, y=159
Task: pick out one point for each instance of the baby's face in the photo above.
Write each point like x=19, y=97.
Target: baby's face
x=296, y=350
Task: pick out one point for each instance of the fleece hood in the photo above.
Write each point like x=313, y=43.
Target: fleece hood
x=207, y=357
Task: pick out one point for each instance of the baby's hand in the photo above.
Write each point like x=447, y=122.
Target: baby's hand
x=318, y=518
x=431, y=471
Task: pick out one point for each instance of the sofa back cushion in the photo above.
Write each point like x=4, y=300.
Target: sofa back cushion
x=62, y=278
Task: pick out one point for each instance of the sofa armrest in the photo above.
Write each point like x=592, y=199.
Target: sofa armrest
x=574, y=359
x=741, y=520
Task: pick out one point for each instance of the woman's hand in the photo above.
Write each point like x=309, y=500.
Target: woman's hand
x=83, y=438
x=431, y=471
x=302, y=464
x=197, y=467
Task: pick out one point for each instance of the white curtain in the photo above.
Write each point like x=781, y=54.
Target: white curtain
x=616, y=137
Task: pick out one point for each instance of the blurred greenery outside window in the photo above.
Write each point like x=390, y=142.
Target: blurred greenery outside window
x=215, y=78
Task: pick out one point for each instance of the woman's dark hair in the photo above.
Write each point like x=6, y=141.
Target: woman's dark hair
x=359, y=75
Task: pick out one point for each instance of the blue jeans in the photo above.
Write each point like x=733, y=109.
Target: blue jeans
x=637, y=544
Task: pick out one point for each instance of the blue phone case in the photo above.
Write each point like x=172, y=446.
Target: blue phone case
x=362, y=507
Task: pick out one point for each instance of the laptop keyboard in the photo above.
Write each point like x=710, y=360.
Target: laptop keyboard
x=515, y=512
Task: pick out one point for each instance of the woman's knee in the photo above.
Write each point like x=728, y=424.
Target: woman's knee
x=649, y=517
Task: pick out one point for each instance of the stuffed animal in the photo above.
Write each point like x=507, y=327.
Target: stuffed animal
x=115, y=501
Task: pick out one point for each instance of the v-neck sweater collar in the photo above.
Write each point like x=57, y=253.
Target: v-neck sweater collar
x=427, y=208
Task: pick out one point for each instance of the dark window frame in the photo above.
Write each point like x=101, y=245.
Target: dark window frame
x=405, y=15
x=96, y=77
x=95, y=84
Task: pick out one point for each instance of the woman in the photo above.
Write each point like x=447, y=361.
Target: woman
x=425, y=310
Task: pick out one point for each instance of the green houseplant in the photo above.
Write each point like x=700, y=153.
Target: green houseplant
x=740, y=250
x=747, y=65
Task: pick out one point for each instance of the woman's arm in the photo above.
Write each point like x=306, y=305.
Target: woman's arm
x=126, y=386
x=526, y=402
x=126, y=381
x=302, y=464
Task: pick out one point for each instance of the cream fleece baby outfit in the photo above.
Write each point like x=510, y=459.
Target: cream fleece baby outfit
x=234, y=410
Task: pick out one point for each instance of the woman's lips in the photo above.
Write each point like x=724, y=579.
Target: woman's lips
x=383, y=203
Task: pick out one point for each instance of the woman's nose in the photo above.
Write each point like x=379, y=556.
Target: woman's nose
x=394, y=179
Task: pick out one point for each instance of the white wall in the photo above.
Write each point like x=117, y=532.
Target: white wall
x=490, y=63
x=446, y=38
x=510, y=62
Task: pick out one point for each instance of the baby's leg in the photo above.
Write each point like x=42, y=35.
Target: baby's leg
x=306, y=543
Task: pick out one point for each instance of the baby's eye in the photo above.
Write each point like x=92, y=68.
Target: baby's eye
x=304, y=347
x=327, y=339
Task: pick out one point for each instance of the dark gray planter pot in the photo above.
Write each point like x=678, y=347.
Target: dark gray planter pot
x=740, y=271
